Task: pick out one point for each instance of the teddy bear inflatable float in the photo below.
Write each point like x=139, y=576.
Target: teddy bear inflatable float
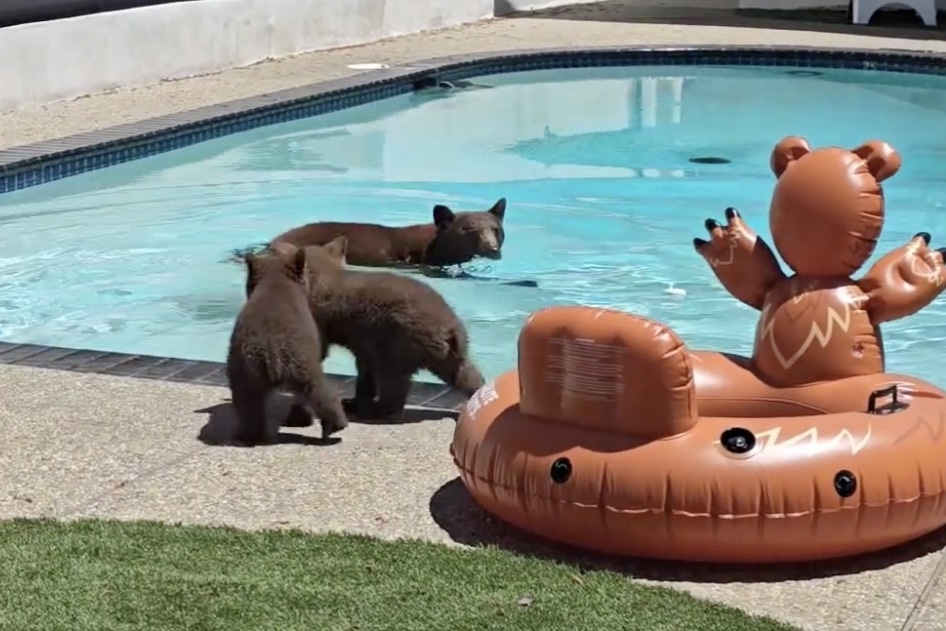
x=613, y=435
x=826, y=216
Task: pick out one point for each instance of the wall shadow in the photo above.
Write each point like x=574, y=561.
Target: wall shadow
x=456, y=512
x=16, y=12
x=897, y=23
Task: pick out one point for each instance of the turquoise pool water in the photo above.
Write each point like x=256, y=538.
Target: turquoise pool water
x=603, y=204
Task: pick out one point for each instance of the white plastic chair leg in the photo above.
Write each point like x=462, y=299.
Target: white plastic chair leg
x=863, y=10
x=927, y=13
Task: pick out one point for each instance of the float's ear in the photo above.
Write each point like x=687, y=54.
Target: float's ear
x=882, y=160
x=443, y=216
x=791, y=148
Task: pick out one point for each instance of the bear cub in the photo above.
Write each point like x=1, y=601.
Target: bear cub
x=275, y=346
x=453, y=238
x=394, y=326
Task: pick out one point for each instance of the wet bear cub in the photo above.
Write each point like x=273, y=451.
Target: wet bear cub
x=275, y=346
x=395, y=326
x=452, y=239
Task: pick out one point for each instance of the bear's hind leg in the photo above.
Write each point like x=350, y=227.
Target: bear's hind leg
x=394, y=386
x=252, y=426
x=366, y=389
x=325, y=402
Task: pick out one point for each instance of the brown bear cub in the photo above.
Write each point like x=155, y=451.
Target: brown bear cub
x=275, y=346
x=395, y=326
x=452, y=239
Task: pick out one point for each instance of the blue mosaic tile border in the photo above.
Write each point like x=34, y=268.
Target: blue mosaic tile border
x=428, y=396
x=31, y=165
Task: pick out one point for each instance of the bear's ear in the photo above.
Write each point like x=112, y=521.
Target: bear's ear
x=882, y=160
x=443, y=216
x=299, y=263
x=499, y=209
x=791, y=148
x=284, y=249
x=337, y=248
x=250, y=259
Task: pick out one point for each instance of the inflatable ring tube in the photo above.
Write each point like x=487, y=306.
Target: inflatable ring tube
x=597, y=441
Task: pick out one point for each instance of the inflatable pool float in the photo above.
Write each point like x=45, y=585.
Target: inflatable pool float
x=613, y=436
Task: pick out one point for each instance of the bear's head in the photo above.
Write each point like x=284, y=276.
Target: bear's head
x=464, y=236
x=828, y=206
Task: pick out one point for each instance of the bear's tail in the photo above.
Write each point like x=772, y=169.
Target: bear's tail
x=459, y=371
x=457, y=342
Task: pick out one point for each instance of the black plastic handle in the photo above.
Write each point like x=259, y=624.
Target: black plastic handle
x=894, y=406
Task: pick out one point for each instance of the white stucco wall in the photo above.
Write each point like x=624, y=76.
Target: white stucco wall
x=60, y=59
x=63, y=59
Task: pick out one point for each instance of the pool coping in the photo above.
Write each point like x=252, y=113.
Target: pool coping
x=43, y=162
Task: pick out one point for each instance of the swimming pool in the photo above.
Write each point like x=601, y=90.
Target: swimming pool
x=595, y=163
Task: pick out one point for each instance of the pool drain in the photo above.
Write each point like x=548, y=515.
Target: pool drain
x=368, y=66
x=710, y=160
x=804, y=73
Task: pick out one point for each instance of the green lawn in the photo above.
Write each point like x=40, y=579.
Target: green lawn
x=110, y=575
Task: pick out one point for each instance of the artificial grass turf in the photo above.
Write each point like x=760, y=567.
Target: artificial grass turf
x=106, y=575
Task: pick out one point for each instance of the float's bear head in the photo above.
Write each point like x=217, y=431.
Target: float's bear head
x=828, y=206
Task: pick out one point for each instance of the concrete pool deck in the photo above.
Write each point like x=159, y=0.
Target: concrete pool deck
x=82, y=445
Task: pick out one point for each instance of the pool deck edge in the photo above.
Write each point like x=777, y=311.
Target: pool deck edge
x=428, y=396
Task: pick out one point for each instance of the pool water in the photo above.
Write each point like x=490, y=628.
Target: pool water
x=595, y=163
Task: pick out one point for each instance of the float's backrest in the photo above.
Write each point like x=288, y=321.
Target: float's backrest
x=606, y=370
